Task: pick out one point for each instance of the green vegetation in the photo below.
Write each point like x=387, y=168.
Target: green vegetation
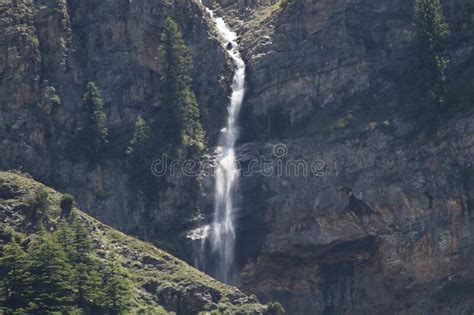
x=15, y=277
x=51, y=281
x=118, y=289
x=95, y=131
x=60, y=273
x=266, y=12
x=175, y=125
x=140, y=143
x=262, y=20
x=50, y=95
x=35, y=41
x=140, y=154
x=76, y=264
x=181, y=109
x=344, y=121
x=38, y=205
x=275, y=308
x=56, y=100
x=430, y=39
x=88, y=283
x=67, y=202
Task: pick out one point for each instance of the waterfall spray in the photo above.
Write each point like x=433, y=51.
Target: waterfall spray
x=221, y=233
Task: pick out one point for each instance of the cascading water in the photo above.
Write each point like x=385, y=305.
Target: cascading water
x=221, y=233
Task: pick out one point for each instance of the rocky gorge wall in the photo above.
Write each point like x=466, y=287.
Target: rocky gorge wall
x=385, y=224
x=50, y=49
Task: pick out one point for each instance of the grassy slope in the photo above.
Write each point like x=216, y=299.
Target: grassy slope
x=161, y=281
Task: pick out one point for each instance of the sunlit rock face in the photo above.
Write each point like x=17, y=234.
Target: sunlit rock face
x=387, y=226
x=51, y=49
x=245, y=4
x=384, y=225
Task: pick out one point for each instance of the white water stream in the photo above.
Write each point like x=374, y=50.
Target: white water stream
x=222, y=231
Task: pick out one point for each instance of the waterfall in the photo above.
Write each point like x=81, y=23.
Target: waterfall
x=221, y=234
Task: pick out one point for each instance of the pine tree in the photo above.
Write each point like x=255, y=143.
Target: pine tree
x=88, y=284
x=79, y=250
x=65, y=238
x=96, y=131
x=15, y=279
x=140, y=153
x=82, y=244
x=119, y=291
x=431, y=34
x=139, y=144
x=39, y=205
x=182, y=104
x=52, y=290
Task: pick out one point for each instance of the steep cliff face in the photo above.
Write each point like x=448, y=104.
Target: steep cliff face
x=383, y=220
x=314, y=61
x=49, y=51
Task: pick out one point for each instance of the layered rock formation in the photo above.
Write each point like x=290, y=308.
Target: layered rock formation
x=51, y=49
x=383, y=225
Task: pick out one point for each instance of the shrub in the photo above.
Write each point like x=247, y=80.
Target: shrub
x=39, y=205
x=67, y=201
x=275, y=308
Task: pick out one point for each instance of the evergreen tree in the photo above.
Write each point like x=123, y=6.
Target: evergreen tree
x=88, y=284
x=139, y=148
x=52, y=290
x=15, y=278
x=119, y=292
x=139, y=155
x=65, y=238
x=96, y=131
x=431, y=34
x=82, y=244
x=39, y=205
x=183, y=109
x=86, y=279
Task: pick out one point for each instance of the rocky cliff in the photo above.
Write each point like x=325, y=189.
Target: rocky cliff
x=381, y=223
x=50, y=50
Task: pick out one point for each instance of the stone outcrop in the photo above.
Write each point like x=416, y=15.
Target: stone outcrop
x=384, y=222
x=50, y=49
x=366, y=231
